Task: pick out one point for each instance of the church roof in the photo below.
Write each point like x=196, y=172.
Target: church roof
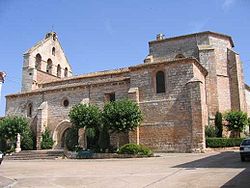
x=195, y=34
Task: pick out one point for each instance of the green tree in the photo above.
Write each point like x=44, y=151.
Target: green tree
x=10, y=126
x=88, y=117
x=83, y=115
x=122, y=116
x=237, y=121
x=218, y=124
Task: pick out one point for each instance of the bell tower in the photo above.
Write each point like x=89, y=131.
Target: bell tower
x=44, y=62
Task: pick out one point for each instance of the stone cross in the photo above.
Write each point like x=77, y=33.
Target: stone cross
x=18, y=143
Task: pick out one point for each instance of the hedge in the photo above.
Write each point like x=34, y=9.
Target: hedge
x=135, y=149
x=223, y=142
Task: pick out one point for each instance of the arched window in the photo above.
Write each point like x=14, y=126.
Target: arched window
x=29, y=110
x=38, y=61
x=54, y=36
x=49, y=66
x=160, y=82
x=54, y=51
x=66, y=72
x=59, y=71
x=179, y=56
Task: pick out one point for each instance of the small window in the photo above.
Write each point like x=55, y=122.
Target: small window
x=59, y=71
x=160, y=82
x=179, y=56
x=38, y=61
x=49, y=66
x=66, y=72
x=109, y=97
x=29, y=110
x=65, y=102
x=53, y=51
x=54, y=37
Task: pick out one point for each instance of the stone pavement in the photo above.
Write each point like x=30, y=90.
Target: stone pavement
x=170, y=170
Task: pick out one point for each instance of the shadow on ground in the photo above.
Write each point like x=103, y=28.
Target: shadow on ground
x=224, y=160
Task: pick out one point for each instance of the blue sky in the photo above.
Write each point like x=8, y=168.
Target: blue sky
x=100, y=35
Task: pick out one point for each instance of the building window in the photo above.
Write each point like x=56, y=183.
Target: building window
x=65, y=102
x=59, y=71
x=53, y=51
x=38, y=61
x=179, y=56
x=29, y=110
x=54, y=37
x=160, y=82
x=109, y=97
x=49, y=66
x=66, y=72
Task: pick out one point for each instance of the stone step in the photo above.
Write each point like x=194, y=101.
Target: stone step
x=35, y=154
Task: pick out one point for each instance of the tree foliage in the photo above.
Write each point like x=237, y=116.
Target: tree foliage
x=218, y=124
x=122, y=116
x=47, y=140
x=10, y=126
x=83, y=115
x=237, y=120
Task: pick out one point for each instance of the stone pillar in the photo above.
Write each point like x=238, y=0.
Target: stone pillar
x=133, y=94
x=82, y=138
x=198, y=111
x=18, y=143
x=42, y=117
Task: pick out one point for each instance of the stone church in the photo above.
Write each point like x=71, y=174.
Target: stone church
x=182, y=83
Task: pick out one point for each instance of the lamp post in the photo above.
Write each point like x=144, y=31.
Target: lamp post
x=2, y=76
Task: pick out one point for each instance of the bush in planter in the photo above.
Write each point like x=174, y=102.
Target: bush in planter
x=135, y=150
x=223, y=142
x=47, y=140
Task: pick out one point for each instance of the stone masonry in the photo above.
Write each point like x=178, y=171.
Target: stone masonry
x=200, y=74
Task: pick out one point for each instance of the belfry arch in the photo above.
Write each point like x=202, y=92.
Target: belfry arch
x=59, y=133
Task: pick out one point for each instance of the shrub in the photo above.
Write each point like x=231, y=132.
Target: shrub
x=71, y=139
x=223, y=142
x=210, y=131
x=47, y=140
x=218, y=124
x=237, y=121
x=135, y=150
x=27, y=141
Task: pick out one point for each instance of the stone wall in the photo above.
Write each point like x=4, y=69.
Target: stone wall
x=167, y=124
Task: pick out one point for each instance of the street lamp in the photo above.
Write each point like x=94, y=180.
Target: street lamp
x=2, y=76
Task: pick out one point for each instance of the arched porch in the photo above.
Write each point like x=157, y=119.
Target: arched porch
x=59, y=133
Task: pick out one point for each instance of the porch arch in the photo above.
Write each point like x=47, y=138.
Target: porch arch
x=59, y=131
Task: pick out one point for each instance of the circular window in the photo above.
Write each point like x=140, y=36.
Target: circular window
x=65, y=102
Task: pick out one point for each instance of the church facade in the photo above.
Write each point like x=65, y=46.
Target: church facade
x=180, y=86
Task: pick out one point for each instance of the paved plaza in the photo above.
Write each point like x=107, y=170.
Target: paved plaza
x=170, y=170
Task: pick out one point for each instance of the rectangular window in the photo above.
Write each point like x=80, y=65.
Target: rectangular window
x=109, y=97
